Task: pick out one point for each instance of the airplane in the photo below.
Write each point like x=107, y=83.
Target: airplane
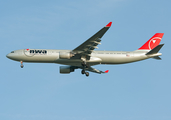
x=84, y=57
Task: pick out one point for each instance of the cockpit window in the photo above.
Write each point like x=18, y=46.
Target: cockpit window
x=12, y=52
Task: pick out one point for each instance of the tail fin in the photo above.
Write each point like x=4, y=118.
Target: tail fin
x=152, y=42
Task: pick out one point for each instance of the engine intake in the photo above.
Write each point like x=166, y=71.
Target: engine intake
x=66, y=69
x=65, y=55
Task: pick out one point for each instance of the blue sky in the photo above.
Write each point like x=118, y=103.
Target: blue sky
x=132, y=91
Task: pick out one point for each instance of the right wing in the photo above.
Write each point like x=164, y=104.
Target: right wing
x=88, y=46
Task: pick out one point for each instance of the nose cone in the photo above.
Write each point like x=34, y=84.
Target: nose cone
x=8, y=55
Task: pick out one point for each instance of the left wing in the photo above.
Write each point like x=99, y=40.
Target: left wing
x=88, y=46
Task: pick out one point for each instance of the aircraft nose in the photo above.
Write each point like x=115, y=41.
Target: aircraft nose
x=8, y=55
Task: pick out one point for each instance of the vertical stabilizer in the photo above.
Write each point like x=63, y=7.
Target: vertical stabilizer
x=152, y=42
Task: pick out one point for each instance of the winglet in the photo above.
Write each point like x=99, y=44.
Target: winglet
x=109, y=24
x=106, y=71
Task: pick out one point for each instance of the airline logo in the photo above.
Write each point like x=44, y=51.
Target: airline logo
x=153, y=42
x=31, y=52
x=38, y=51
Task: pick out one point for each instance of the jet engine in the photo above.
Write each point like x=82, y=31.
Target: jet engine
x=65, y=55
x=66, y=69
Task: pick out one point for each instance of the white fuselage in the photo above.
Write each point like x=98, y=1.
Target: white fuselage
x=97, y=57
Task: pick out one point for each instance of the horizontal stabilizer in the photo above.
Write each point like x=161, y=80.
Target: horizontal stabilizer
x=155, y=50
x=157, y=58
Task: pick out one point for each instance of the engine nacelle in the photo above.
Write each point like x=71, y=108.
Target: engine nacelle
x=66, y=69
x=65, y=55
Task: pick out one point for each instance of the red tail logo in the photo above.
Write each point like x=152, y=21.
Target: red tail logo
x=152, y=42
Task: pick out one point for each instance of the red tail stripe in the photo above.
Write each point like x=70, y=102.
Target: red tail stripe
x=152, y=42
